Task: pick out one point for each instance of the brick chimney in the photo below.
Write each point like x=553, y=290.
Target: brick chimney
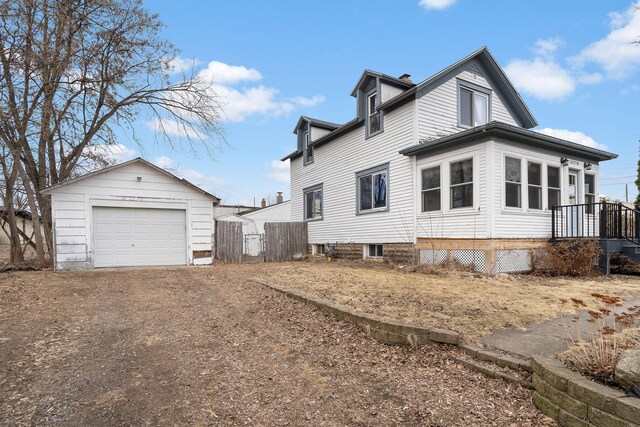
x=263, y=203
x=405, y=78
x=279, y=198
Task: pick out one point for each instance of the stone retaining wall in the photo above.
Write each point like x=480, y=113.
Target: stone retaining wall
x=385, y=331
x=574, y=400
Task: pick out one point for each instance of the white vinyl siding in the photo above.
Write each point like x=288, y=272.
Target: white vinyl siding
x=468, y=222
x=72, y=209
x=336, y=164
x=508, y=222
x=438, y=108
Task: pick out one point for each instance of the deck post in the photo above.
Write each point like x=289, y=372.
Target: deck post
x=619, y=220
x=603, y=221
x=553, y=223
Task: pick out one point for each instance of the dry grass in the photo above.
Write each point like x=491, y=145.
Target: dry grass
x=472, y=304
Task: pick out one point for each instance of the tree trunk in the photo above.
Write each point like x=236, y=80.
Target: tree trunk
x=35, y=216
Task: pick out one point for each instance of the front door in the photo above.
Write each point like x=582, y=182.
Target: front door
x=574, y=199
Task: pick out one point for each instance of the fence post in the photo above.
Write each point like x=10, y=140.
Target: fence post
x=553, y=223
x=603, y=221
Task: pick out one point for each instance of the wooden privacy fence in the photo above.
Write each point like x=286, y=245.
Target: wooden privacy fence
x=285, y=240
x=228, y=241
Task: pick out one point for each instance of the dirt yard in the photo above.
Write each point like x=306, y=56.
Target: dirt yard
x=207, y=346
x=473, y=304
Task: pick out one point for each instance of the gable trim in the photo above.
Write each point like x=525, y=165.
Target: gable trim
x=53, y=188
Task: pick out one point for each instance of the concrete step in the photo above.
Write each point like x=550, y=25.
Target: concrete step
x=632, y=252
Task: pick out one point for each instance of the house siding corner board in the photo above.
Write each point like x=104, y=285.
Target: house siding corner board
x=438, y=108
x=72, y=208
x=523, y=222
x=469, y=223
x=335, y=167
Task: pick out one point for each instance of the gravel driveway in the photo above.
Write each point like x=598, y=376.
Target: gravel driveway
x=207, y=346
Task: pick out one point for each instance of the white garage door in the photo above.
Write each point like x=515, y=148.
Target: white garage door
x=138, y=237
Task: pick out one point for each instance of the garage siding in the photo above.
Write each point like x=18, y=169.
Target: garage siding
x=72, y=210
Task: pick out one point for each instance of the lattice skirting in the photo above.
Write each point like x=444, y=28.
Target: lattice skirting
x=506, y=260
x=513, y=260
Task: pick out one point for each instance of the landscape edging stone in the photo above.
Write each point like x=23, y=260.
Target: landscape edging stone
x=385, y=331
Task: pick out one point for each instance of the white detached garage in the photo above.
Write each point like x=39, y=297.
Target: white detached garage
x=131, y=214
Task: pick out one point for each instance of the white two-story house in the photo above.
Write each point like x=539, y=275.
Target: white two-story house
x=445, y=168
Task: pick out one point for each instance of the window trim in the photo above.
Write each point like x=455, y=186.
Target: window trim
x=540, y=186
x=306, y=141
x=473, y=184
x=464, y=84
x=372, y=171
x=367, y=249
x=548, y=187
x=441, y=188
x=368, y=95
x=589, y=211
x=305, y=191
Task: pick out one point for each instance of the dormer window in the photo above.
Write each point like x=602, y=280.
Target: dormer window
x=473, y=106
x=308, y=149
x=374, y=124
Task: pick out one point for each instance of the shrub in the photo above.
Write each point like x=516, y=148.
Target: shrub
x=598, y=357
x=569, y=258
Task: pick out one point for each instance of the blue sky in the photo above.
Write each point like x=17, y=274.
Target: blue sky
x=274, y=61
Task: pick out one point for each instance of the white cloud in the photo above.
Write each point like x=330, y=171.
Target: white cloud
x=260, y=100
x=174, y=128
x=278, y=171
x=616, y=53
x=180, y=65
x=308, y=102
x=547, y=47
x=541, y=78
x=590, y=78
x=436, y=4
x=573, y=136
x=209, y=183
x=222, y=74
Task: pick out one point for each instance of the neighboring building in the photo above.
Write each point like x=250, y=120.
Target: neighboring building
x=23, y=221
x=131, y=214
x=445, y=168
x=222, y=210
x=253, y=223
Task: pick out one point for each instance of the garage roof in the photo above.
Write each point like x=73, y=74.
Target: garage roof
x=49, y=190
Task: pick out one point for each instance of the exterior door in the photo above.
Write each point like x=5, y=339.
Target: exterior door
x=139, y=237
x=574, y=199
x=252, y=244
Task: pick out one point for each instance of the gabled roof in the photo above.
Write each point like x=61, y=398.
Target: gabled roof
x=369, y=73
x=498, y=76
x=316, y=123
x=266, y=208
x=514, y=133
x=482, y=55
x=48, y=190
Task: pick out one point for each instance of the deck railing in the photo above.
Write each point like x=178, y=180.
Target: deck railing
x=601, y=220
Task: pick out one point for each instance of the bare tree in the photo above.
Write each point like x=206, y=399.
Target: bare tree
x=75, y=72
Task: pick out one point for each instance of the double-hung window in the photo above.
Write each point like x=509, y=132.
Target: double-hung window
x=474, y=107
x=374, y=124
x=553, y=186
x=590, y=192
x=308, y=157
x=431, y=189
x=513, y=182
x=373, y=189
x=534, y=175
x=461, y=184
x=313, y=203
